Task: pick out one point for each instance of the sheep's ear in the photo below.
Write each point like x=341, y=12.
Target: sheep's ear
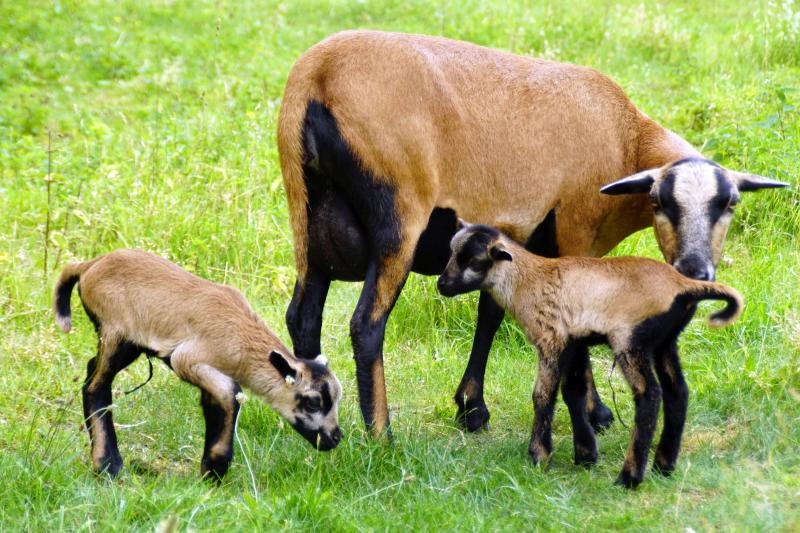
x=498, y=252
x=752, y=182
x=321, y=360
x=462, y=224
x=635, y=184
x=280, y=363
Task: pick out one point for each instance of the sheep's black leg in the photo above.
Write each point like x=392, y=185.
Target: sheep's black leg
x=647, y=396
x=220, y=415
x=112, y=357
x=304, y=315
x=472, y=411
x=676, y=398
x=600, y=416
x=367, y=329
x=574, y=391
x=544, y=399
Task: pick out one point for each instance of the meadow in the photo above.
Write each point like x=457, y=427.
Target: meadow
x=152, y=125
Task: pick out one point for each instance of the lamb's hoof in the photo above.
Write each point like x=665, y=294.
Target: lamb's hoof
x=627, y=480
x=473, y=416
x=601, y=418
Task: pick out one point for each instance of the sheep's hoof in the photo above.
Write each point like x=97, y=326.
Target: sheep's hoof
x=473, y=417
x=539, y=457
x=627, y=480
x=110, y=466
x=601, y=417
x=664, y=470
x=585, y=457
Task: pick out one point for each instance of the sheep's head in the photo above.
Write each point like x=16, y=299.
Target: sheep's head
x=476, y=250
x=309, y=398
x=693, y=201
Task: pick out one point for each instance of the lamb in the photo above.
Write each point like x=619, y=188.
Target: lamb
x=386, y=138
x=208, y=335
x=636, y=306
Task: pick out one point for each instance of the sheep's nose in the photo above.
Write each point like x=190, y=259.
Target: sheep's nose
x=695, y=268
x=336, y=436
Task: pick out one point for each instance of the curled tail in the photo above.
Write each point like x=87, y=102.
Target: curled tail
x=717, y=291
x=63, y=291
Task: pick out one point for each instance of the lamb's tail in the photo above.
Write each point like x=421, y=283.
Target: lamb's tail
x=63, y=292
x=716, y=291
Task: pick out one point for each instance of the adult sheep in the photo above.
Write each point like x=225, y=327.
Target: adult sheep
x=386, y=138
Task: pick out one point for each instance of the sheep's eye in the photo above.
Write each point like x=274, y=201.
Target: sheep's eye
x=313, y=404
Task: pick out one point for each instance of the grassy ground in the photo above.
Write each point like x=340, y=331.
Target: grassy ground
x=152, y=125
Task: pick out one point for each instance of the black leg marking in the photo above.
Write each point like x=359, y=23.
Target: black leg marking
x=676, y=399
x=367, y=337
x=220, y=427
x=472, y=412
x=544, y=399
x=304, y=315
x=573, y=389
x=647, y=396
x=97, y=400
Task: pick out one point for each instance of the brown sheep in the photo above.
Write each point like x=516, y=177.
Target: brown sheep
x=386, y=138
x=207, y=334
x=637, y=306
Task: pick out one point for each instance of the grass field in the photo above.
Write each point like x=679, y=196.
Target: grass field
x=151, y=125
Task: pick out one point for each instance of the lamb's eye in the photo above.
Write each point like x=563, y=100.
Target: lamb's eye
x=313, y=405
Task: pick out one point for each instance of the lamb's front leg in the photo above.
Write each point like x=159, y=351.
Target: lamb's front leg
x=220, y=409
x=647, y=395
x=544, y=397
x=574, y=389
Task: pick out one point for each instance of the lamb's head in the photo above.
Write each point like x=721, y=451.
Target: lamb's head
x=693, y=201
x=476, y=253
x=308, y=398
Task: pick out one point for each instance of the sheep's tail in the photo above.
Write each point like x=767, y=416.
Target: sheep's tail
x=63, y=292
x=716, y=291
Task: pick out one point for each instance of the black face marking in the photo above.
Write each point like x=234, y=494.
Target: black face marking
x=327, y=401
x=722, y=200
x=693, y=160
x=666, y=199
x=474, y=252
x=309, y=404
x=317, y=370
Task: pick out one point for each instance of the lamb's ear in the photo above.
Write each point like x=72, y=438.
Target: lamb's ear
x=752, y=182
x=321, y=360
x=462, y=224
x=498, y=252
x=283, y=367
x=634, y=184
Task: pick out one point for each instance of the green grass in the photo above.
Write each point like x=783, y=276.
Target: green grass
x=161, y=119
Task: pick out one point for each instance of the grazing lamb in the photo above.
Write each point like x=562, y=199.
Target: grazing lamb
x=208, y=335
x=636, y=306
x=386, y=138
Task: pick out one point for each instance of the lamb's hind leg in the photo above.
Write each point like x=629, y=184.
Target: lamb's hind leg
x=112, y=357
x=676, y=398
x=636, y=365
x=220, y=409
